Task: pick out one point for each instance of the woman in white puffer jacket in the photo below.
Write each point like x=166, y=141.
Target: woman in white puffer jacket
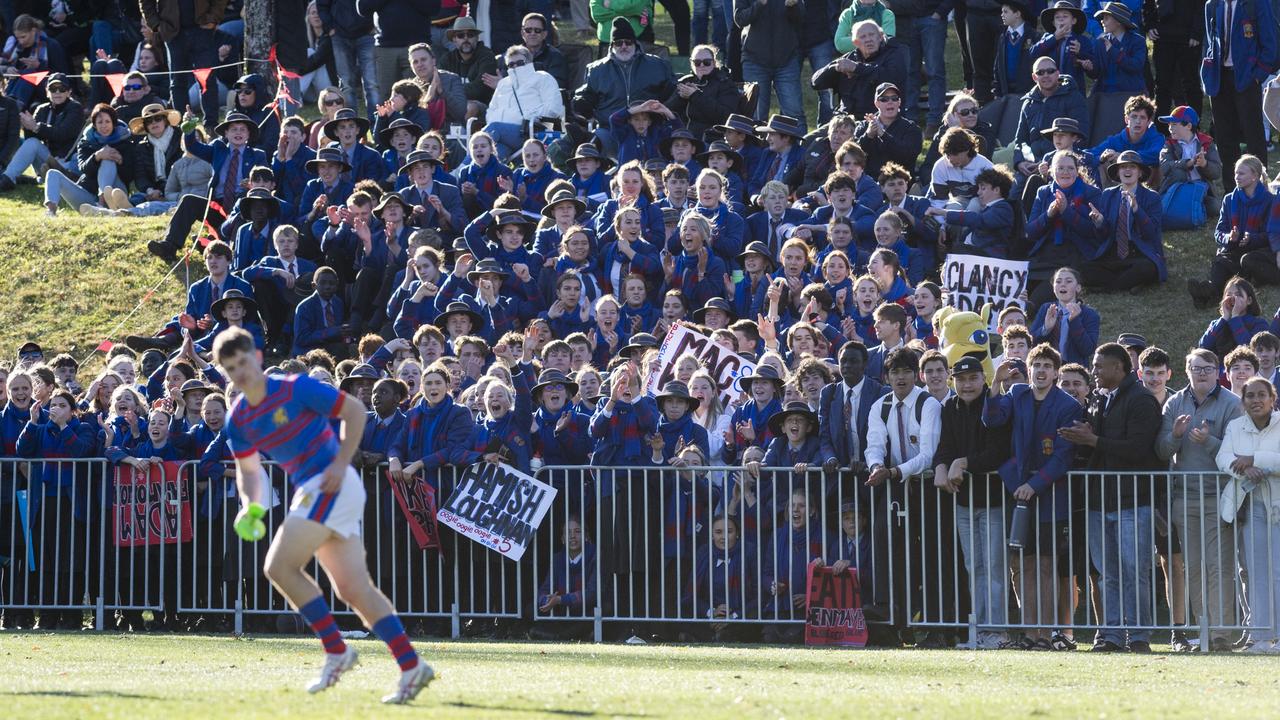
x=524, y=94
x=1250, y=451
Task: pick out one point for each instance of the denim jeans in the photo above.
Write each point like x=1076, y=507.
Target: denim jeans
x=713, y=10
x=926, y=42
x=30, y=154
x=982, y=540
x=60, y=187
x=785, y=80
x=819, y=56
x=193, y=48
x=1261, y=555
x=508, y=137
x=1121, y=547
x=353, y=60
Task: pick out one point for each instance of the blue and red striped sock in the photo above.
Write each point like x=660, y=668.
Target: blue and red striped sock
x=391, y=631
x=326, y=628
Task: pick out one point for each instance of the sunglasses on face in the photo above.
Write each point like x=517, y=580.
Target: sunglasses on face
x=889, y=98
x=516, y=63
x=966, y=112
x=533, y=30
x=1046, y=71
x=330, y=102
x=467, y=34
x=133, y=88
x=704, y=62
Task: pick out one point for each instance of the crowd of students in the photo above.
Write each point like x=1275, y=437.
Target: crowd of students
x=505, y=301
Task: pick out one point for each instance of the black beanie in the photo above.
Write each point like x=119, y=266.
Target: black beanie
x=622, y=30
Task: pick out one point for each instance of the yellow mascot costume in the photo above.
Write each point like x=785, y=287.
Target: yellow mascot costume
x=962, y=333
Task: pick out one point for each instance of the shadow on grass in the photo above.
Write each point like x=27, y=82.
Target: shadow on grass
x=539, y=711
x=113, y=694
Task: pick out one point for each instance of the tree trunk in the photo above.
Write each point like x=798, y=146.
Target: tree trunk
x=259, y=35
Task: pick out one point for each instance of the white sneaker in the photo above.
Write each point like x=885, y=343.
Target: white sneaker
x=334, y=665
x=635, y=640
x=91, y=210
x=1261, y=647
x=412, y=682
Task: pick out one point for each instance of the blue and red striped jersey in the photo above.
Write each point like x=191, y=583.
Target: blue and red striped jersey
x=290, y=425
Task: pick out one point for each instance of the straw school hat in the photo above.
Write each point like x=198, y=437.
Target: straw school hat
x=138, y=125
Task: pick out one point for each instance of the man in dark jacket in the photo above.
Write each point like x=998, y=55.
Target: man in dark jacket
x=535, y=29
x=188, y=29
x=704, y=97
x=397, y=25
x=771, y=31
x=1124, y=421
x=874, y=60
x=1054, y=96
x=889, y=136
x=626, y=76
x=1177, y=32
x=351, y=35
x=965, y=464
x=472, y=61
x=50, y=133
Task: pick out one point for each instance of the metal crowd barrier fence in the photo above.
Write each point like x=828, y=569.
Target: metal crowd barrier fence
x=712, y=552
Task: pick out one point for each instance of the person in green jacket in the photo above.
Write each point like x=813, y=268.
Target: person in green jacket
x=857, y=12
x=638, y=12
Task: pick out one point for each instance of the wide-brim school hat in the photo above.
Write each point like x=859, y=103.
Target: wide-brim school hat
x=196, y=385
x=756, y=247
x=664, y=145
x=487, y=266
x=1119, y=11
x=551, y=376
x=458, y=307
x=735, y=158
x=640, y=342
x=794, y=408
x=327, y=155
x=762, y=372
x=138, y=125
x=715, y=303
x=516, y=218
x=400, y=124
x=1064, y=125
x=784, y=125
x=386, y=199
x=1046, y=16
x=238, y=117
x=563, y=196
x=588, y=151
x=1128, y=157
x=263, y=196
x=417, y=157
x=363, y=371
x=330, y=128
x=676, y=390
x=218, y=307
x=739, y=123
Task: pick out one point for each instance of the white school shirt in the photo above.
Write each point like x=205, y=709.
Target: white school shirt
x=883, y=445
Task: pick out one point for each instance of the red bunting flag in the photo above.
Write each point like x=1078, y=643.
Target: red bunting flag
x=35, y=78
x=105, y=346
x=150, y=294
x=116, y=81
x=202, y=76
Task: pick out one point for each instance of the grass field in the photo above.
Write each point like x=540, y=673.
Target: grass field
x=93, y=676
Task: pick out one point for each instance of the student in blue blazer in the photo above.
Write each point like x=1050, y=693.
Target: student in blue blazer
x=200, y=298
x=435, y=204
x=776, y=218
x=275, y=280
x=844, y=440
x=347, y=130
x=1059, y=231
x=1067, y=324
x=1248, y=39
x=784, y=159
x=320, y=321
x=1131, y=252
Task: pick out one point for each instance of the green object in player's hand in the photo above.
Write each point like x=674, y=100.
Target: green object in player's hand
x=249, y=525
x=190, y=125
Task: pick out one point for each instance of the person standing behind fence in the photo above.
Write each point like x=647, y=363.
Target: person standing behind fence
x=1195, y=421
x=902, y=434
x=1123, y=422
x=969, y=453
x=1248, y=452
x=1037, y=471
